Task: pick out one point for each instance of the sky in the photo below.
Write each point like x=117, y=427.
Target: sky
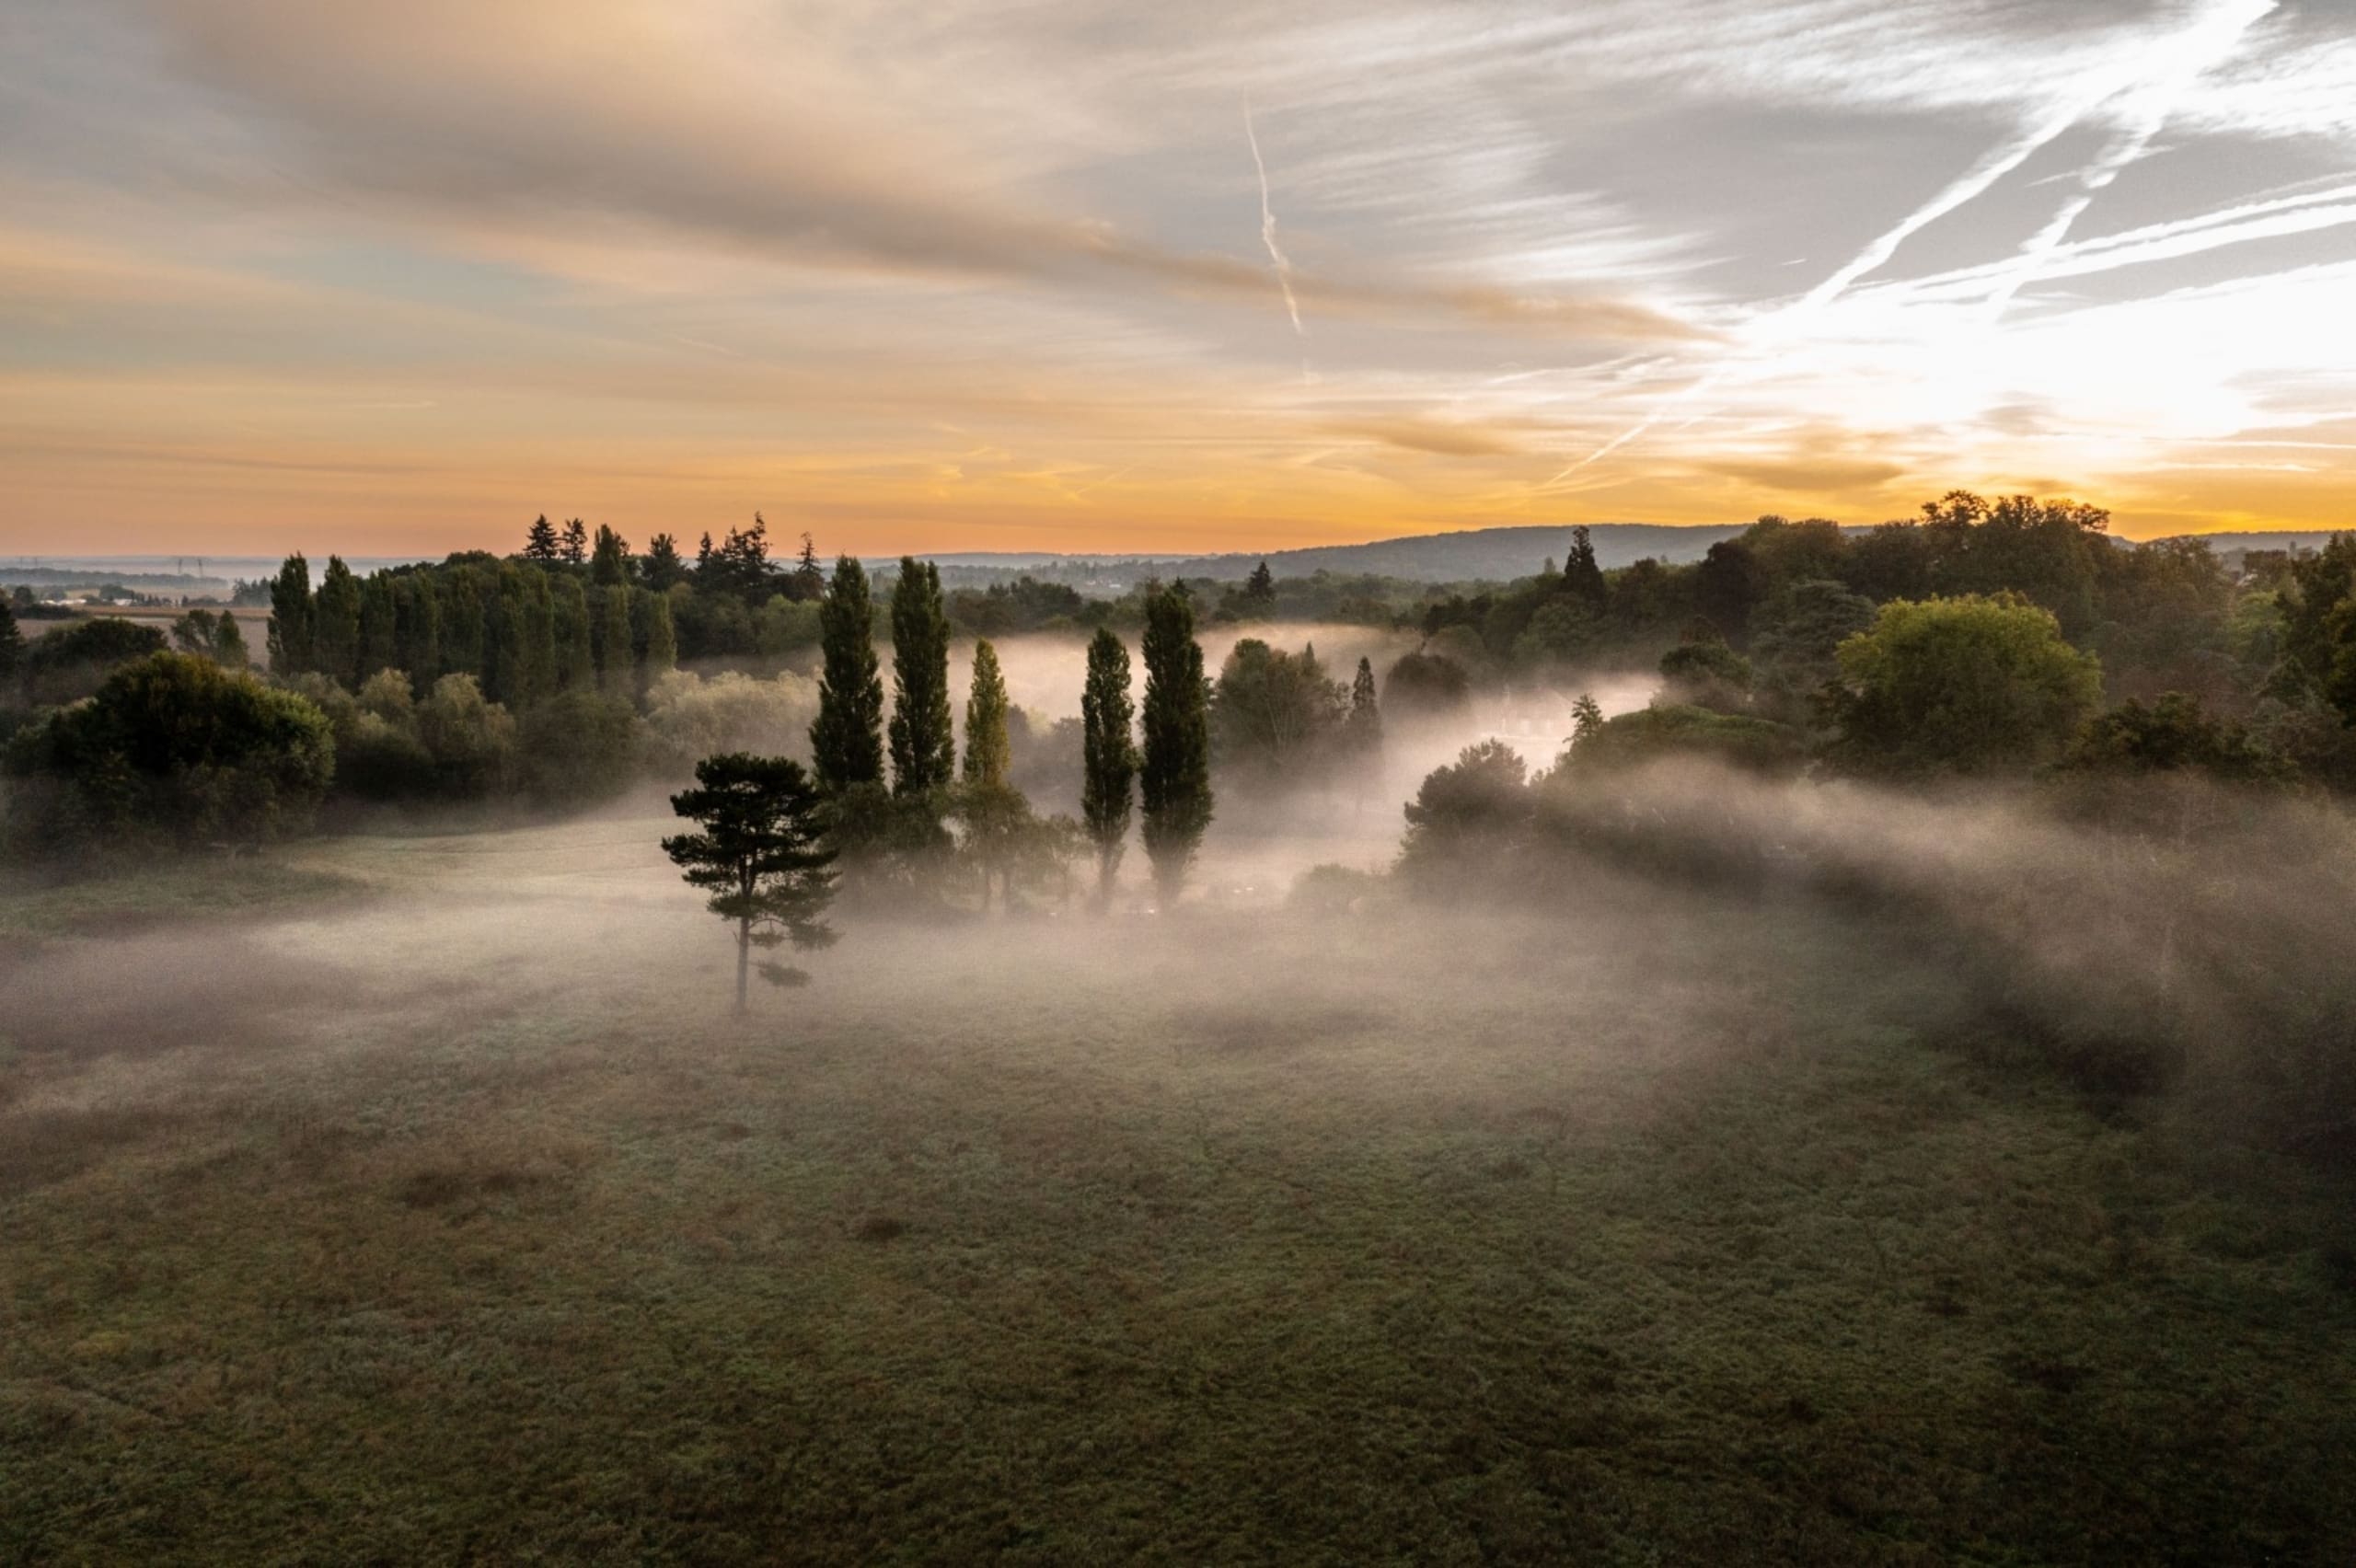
x=1093, y=275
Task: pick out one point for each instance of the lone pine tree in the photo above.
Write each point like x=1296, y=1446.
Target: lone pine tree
x=758, y=856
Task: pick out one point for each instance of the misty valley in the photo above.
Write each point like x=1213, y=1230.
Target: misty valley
x=1838, y=1050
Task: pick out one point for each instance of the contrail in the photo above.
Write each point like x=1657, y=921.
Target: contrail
x=2000, y=161
x=2201, y=46
x=1268, y=228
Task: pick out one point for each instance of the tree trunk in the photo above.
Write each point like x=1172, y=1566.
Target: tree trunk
x=744, y=958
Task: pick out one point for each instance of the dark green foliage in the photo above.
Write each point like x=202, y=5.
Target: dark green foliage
x=470, y=740
x=1467, y=821
x=989, y=755
x=172, y=749
x=380, y=625
x=12, y=655
x=1706, y=673
x=540, y=542
x=1657, y=733
x=847, y=738
x=1797, y=637
x=419, y=629
x=1964, y=685
x=923, y=743
x=1175, y=775
x=69, y=665
x=1423, y=684
x=573, y=635
x=292, y=631
x=578, y=745
x=1728, y=585
x=575, y=549
x=807, y=583
x=335, y=624
x=610, y=562
x=663, y=568
x=2173, y=734
x=757, y=855
x=738, y=567
x=1024, y=605
x=1582, y=578
x=1273, y=714
x=1259, y=594
x=1108, y=755
x=660, y=642
x=611, y=641
x=1362, y=730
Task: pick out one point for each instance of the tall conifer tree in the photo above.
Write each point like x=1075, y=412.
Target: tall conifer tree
x=923, y=746
x=1174, y=780
x=846, y=739
x=290, y=636
x=1108, y=755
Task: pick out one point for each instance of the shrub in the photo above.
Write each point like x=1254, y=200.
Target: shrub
x=68, y=665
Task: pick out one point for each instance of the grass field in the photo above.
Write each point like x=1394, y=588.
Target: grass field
x=425, y=1205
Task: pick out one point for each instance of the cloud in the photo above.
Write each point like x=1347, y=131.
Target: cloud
x=1810, y=476
x=1438, y=437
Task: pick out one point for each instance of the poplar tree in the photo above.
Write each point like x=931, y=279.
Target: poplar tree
x=335, y=624
x=662, y=639
x=847, y=738
x=290, y=641
x=418, y=630
x=1174, y=780
x=575, y=662
x=616, y=668
x=923, y=748
x=380, y=625
x=12, y=653
x=759, y=856
x=1108, y=755
x=988, y=754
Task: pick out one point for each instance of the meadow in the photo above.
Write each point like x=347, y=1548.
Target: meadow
x=416, y=1198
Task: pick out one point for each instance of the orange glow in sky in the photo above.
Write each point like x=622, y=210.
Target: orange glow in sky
x=963, y=276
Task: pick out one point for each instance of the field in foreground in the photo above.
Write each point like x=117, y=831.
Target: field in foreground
x=433, y=1208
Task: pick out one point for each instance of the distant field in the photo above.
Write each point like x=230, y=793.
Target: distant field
x=418, y=1201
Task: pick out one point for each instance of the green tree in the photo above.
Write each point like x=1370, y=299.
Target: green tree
x=336, y=625
x=540, y=542
x=570, y=628
x=847, y=738
x=617, y=664
x=1364, y=726
x=12, y=653
x=609, y=563
x=661, y=641
x=380, y=625
x=418, y=629
x=923, y=748
x=1260, y=590
x=663, y=568
x=1582, y=578
x=758, y=856
x=1108, y=755
x=1174, y=779
x=1467, y=821
x=1273, y=711
x=988, y=754
x=175, y=748
x=1973, y=684
x=291, y=634
x=1422, y=684
x=575, y=548
x=229, y=643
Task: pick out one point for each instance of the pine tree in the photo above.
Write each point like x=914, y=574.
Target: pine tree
x=335, y=621
x=540, y=541
x=609, y=565
x=846, y=739
x=923, y=748
x=1260, y=588
x=575, y=547
x=575, y=660
x=290, y=640
x=664, y=566
x=988, y=754
x=1174, y=780
x=617, y=664
x=1365, y=718
x=809, y=580
x=1582, y=579
x=1586, y=719
x=758, y=856
x=380, y=625
x=1108, y=755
